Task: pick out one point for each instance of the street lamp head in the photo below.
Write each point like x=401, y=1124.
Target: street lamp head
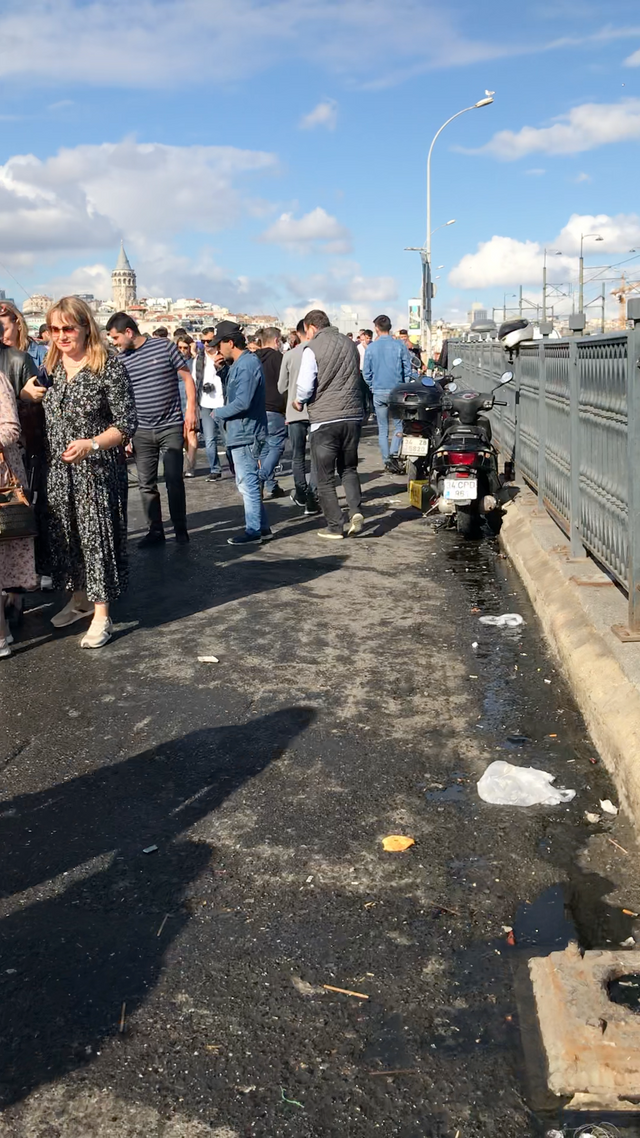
x=452, y=222
x=484, y=102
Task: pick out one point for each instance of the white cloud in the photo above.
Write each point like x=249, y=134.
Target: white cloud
x=582, y=177
x=342, y=285
x=507, y=261
x=316, y=231
x=324, y=114
x=584, y=128
x=535, y=173
x=633, y=60
x=85, y=198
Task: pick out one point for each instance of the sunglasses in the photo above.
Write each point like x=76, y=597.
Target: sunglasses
x=67, y=329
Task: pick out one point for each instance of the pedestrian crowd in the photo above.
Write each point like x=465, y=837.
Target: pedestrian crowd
x=76, y=405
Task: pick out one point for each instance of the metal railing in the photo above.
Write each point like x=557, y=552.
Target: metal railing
x=572, y=427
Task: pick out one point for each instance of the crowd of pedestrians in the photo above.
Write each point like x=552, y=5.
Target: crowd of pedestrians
x=75, y=405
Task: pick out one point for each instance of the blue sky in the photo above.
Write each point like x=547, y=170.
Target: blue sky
x=266, y=154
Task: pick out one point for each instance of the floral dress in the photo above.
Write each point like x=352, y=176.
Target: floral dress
x=17, y=567
x=87, y=515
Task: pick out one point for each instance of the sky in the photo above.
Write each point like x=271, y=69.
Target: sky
x=267, y=155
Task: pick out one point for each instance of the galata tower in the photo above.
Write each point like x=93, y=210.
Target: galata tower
x=123, y=282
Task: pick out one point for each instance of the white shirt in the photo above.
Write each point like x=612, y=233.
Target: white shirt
x=214, y=398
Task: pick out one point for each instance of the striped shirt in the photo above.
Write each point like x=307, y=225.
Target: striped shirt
x=153, y=371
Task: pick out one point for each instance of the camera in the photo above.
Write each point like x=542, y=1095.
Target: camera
x=209, y=388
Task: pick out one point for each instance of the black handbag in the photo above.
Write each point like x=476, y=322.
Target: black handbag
x=17, y=517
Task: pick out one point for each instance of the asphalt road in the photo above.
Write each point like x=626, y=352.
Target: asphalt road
x=180, y=993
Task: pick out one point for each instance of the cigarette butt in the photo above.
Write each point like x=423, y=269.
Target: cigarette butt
x=123, y=1014
x=345, y=992
x=164, y=921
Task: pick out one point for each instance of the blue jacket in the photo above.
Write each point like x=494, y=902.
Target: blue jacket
x=386, y=363
x=244, y=414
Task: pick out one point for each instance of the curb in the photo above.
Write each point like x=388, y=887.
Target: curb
x=609, y=702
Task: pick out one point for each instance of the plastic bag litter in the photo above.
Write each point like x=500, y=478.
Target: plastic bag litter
x=502, y=784
x=608, y=806
x=507, y=620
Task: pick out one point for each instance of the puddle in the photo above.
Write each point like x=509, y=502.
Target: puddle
x=625, y=990
x=544, y=923
x=449, y=794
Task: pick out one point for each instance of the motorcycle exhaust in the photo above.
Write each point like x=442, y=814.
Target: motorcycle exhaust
x=445, y=506
x=487, y=504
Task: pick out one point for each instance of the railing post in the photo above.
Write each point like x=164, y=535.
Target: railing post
x=633, y=466
x=517, y=376
x=542, y=423
x=574, y=450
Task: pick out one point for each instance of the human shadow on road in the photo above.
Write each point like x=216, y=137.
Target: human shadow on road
x=69, y=961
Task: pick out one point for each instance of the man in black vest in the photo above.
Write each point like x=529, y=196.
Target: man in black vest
x=329, y=384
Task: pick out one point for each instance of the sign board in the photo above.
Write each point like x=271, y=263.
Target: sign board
x=415, y=310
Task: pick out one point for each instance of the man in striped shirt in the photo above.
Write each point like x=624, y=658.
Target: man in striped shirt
x=155, y=369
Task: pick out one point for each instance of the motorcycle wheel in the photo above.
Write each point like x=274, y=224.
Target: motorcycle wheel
x=467, y=521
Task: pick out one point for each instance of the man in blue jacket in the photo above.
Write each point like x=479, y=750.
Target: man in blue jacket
x=386, y=364
x=244, y=417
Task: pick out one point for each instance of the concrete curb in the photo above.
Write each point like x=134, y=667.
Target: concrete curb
x=608, y=700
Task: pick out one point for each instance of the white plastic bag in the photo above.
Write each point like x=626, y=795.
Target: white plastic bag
x=507, y=620
x=502, y=784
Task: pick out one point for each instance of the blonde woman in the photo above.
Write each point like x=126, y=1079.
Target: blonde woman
x=90, y=413
x=15, y=333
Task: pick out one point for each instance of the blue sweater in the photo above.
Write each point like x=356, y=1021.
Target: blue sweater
x=386, y=363
x=244, y=414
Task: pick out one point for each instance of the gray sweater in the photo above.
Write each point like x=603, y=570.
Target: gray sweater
x=288, y=383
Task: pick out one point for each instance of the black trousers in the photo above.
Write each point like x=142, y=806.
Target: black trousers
x=298, y=438
x=334, y=451
x=149, y=446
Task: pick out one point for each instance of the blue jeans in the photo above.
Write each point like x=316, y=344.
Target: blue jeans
x=275, y=446
x=381, y=405
x=245, y=461
x=213, y=432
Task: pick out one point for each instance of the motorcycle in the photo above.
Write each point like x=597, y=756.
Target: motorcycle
x=418, y=405
x=464, y=464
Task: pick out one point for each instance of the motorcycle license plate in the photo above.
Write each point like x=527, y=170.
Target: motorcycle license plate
x=460, y=489
x=414, y=447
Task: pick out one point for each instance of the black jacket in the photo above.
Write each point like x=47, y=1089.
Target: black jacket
x=271, y=361
x=17, y=366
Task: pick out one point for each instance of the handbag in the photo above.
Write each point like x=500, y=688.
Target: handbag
x=17, y=517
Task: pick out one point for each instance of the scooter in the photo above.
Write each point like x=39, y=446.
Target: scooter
x=464, y=464
x=418, y=405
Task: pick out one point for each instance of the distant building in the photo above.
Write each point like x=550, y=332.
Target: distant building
x=478, y=312
x=123, y=282
x=37, y=305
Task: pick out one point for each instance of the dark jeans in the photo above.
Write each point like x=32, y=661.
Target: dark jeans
x=273, y=451
x=334, y=449
x=298, y=438
x=149, y=446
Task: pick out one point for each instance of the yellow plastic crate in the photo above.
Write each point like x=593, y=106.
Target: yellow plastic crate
x=420, y=494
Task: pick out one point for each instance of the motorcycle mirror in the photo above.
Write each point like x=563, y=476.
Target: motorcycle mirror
x=451, y=386
x=506, y=377
x=456, y=363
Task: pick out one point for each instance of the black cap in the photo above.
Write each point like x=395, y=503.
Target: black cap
x=225, y=330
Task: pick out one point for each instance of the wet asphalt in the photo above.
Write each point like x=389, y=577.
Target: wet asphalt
x=191, y=850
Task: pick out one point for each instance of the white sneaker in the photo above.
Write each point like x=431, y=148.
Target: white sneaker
x=46, y=584
x=357, y=523
x=5, y=650
x=69, y=614
x=98, y=634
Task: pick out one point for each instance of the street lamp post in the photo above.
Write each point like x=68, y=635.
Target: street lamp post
x=425, y=318
x=556, y=253
x=426, y=275
x=583, y=237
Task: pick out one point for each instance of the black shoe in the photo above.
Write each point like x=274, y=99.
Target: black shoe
x=298, y=499
x=182, y=537
x=393, y=466
x=311, y=505
x=267, y=534
x=245, y=539
x=215, y=476
x=153, y=537
x=277, y=492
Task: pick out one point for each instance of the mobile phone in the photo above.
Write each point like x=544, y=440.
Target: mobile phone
x=43, y=379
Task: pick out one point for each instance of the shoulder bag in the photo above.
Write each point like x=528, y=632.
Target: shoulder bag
x=17, y=518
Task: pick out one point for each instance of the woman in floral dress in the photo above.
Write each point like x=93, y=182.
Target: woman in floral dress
x=89, y=413
x=17, y=566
